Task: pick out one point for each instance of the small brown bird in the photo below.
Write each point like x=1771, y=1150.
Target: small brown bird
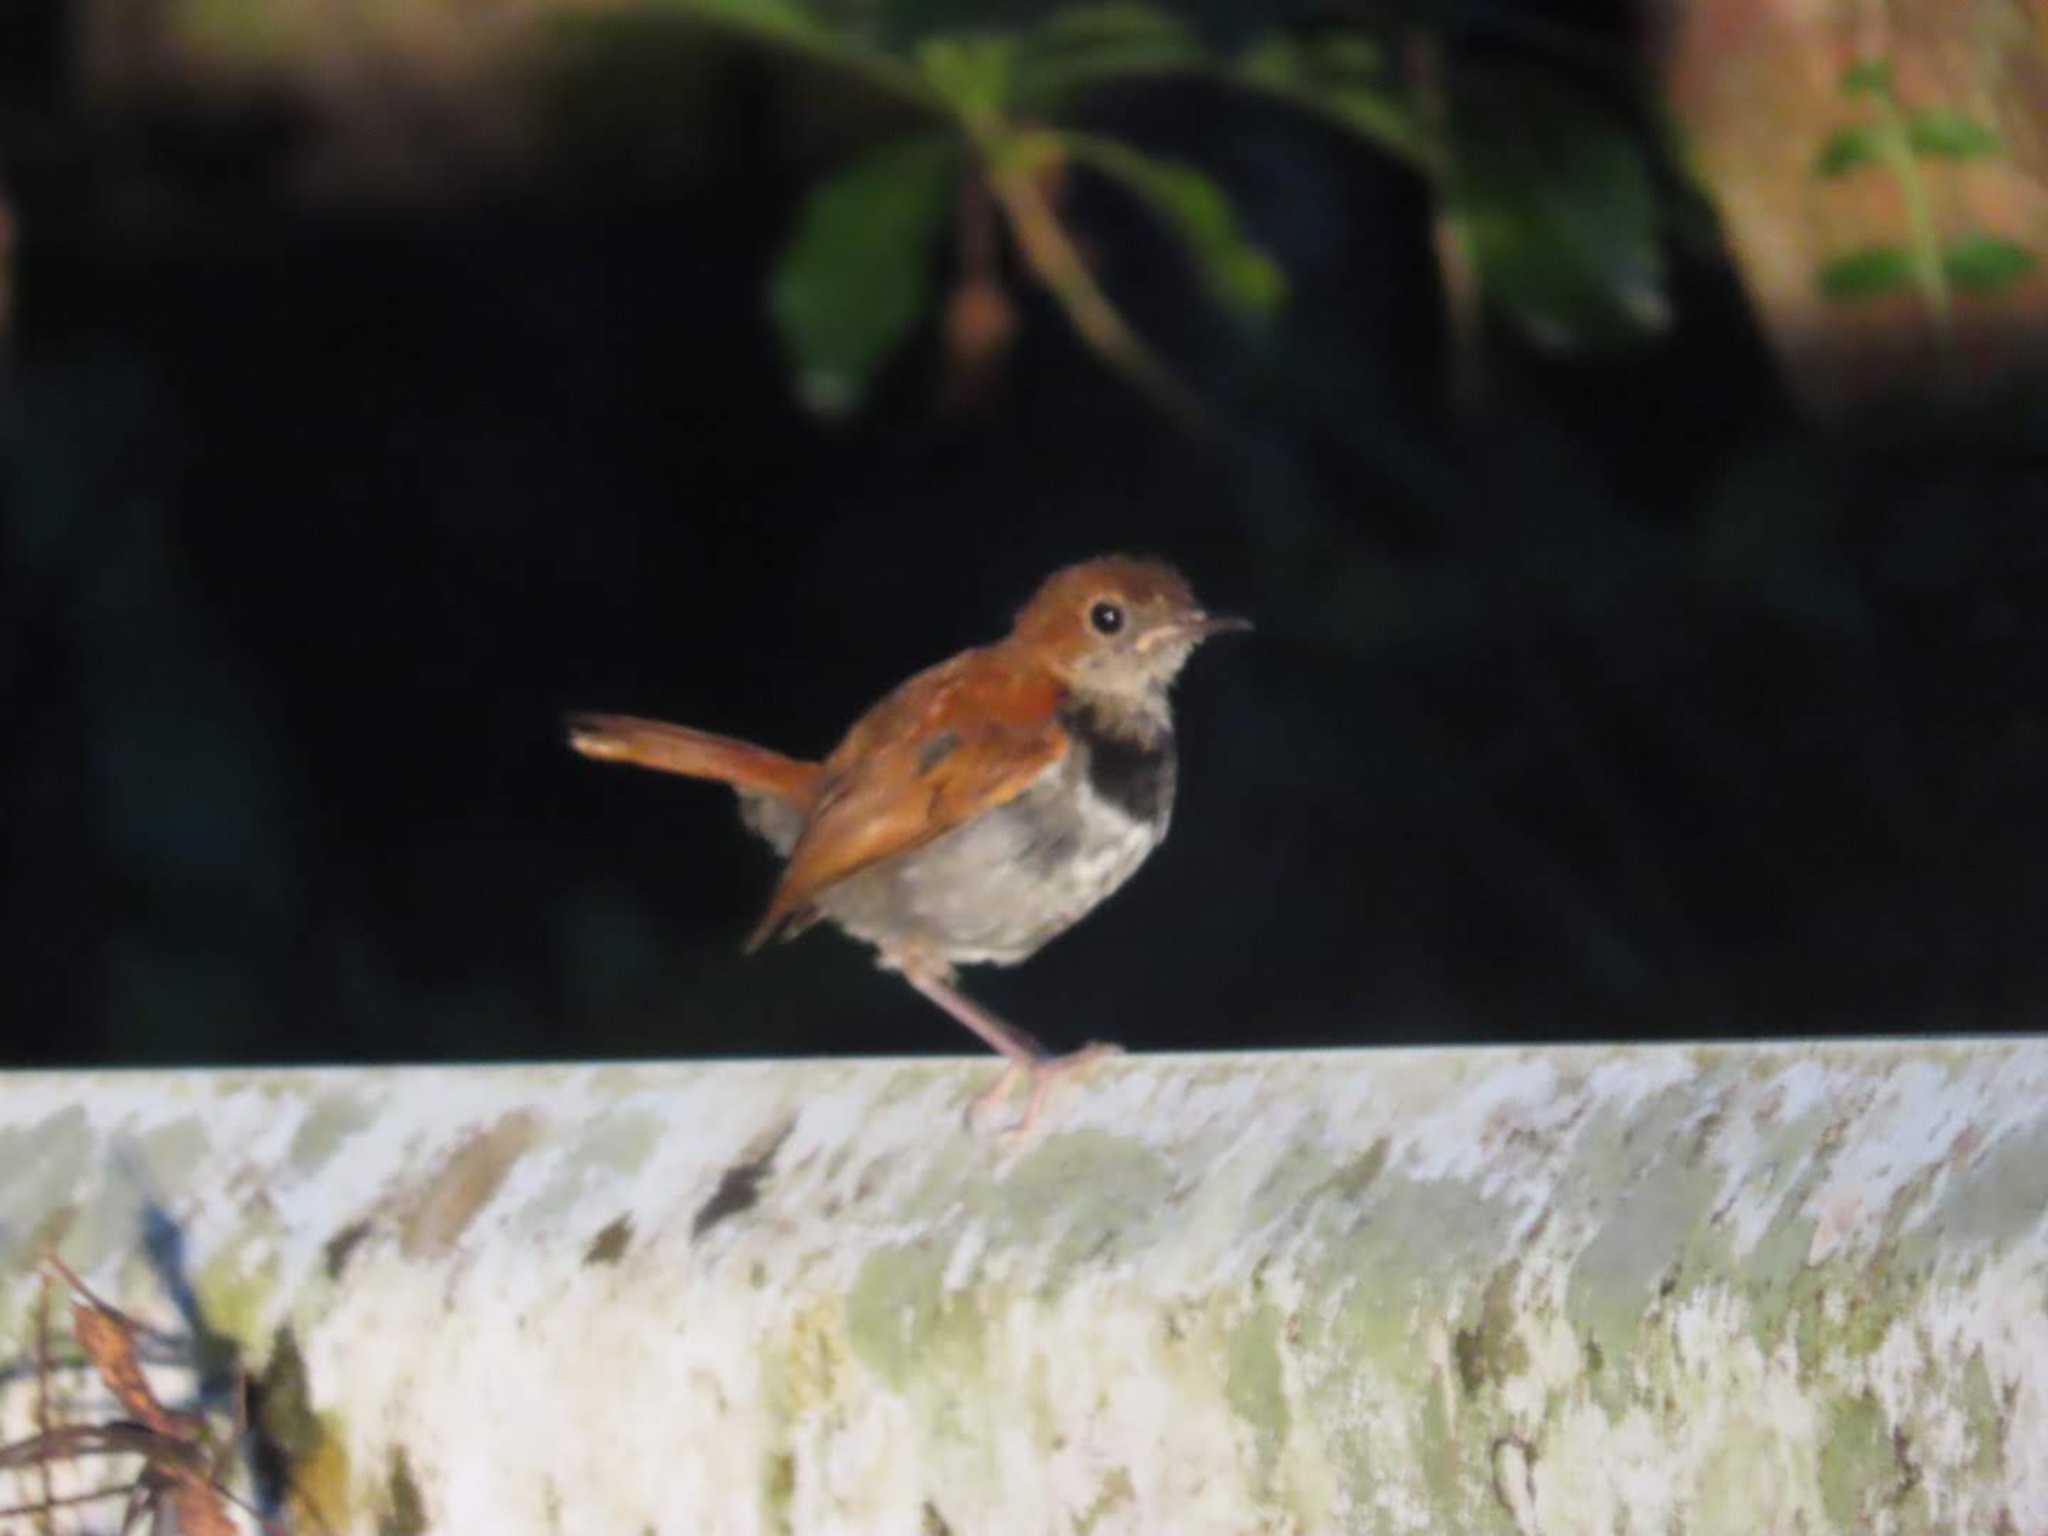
x=982, y=808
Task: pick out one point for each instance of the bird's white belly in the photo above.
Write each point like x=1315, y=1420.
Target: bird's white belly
x=997, y=888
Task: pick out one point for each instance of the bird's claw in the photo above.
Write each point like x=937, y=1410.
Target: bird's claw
x=1041, y=1071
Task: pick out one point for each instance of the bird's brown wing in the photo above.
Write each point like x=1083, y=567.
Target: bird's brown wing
x=962, y=738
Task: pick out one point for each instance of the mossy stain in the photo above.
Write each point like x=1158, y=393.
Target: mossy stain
x=1492, y=1349
x=1097, y=1191
x=341, y=1247
x=807, y=1370
x=284, y=1399
x=464, y=1185
x=1116, y=1491
x=778, y=1489
x=327, y=1125
x=1254, y=1383
x=611, y=1242
x=1350, y=1183
x=235, y=1287
x=404, y=1512
x=171, y=1151
x=902, y=1322
x=46, y=1167
x=1857, y=1466
x=299, y=1458
x=1985, y=1418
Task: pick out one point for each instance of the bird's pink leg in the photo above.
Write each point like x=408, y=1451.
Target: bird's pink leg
x=1023, y=1055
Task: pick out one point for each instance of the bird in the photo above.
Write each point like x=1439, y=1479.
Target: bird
x=981, y=808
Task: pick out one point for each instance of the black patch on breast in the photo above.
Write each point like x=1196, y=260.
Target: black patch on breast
x=1133, y=773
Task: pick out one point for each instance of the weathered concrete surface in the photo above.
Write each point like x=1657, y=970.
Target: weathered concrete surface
x=1753, y=1289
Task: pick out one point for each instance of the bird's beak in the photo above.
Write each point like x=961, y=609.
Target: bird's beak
x=1194, y=628
x=1200, y=626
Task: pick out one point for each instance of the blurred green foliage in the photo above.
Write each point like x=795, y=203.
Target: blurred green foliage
x=1986, y=263
x=1897, y=141
x=1546, y=198
x=1558, y=209
x=857, y=273
x=1238, y=275
x=1866, y=271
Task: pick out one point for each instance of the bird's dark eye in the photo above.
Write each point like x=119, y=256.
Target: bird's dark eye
x=1107, y=617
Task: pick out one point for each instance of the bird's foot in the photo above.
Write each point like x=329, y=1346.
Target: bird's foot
x=1023, y=1056
x=1042, y=1071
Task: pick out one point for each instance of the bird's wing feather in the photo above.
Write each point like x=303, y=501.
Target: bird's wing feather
x=958, y=740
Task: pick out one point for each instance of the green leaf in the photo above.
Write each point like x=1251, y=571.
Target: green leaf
x=971, y=71
x=1845, y=149
x=1986, y=264
x=1873, y=77
x=1554, y=201
x=1952, y=134
x=1238, y=274
x=1865, y=273
x=1342, y=77
x=1083, y=47
x=784, y=16
x=856, y=275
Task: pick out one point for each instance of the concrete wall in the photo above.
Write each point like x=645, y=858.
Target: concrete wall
x=1746, y=1289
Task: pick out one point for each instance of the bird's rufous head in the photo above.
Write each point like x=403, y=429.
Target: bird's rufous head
x=1117, y=625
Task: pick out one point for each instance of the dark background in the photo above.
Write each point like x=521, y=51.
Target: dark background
x=1626, y=702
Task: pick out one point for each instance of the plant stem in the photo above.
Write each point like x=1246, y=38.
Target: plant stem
x=1056, y=263
x=1456, y=269
x=1923, y=241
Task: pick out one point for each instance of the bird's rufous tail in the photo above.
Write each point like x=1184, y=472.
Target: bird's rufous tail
x=695, y=754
